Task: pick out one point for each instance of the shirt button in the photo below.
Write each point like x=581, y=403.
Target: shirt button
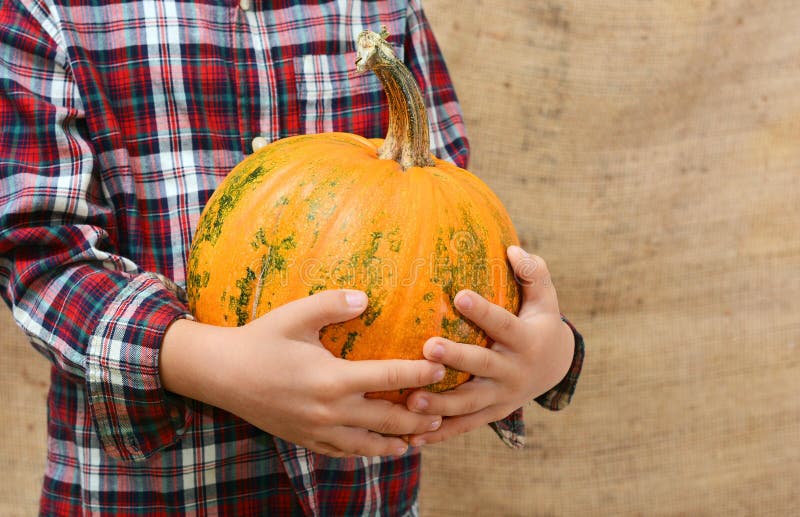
x=259, y=141
x=245, y=5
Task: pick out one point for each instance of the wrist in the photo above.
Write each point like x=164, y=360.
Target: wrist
x=560, y=355
x=567, y=349
x=191, y=362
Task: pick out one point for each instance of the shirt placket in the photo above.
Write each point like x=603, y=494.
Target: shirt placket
x=256, y=83
x=258, y=117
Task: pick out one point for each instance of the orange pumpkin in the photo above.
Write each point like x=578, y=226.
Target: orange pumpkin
x=336, y=210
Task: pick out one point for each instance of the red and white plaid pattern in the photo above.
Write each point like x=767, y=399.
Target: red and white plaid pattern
x=119, y=119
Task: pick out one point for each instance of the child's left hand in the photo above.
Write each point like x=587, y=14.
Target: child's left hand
x=531, y=353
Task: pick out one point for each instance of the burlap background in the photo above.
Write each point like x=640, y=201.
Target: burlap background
x=650, y=151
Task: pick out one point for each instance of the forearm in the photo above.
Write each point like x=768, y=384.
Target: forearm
x=193, y=361
x=560, y=395
x=557, y=358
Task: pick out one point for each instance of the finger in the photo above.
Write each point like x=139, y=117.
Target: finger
x=471, y=397
x=313, y=312
x=477, y=360
x=387, y=418
x=391, y=374
x=453, y=427
x=328, y=450
x=533, y=275
x=498, y=323
x=360, y=442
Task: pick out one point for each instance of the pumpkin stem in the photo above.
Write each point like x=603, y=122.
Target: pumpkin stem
x=407, y=141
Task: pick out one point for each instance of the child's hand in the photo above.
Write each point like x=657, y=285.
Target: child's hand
x=275, y=373
x=531, y=354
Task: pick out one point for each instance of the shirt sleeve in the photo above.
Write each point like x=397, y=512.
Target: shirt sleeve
x=96, y=315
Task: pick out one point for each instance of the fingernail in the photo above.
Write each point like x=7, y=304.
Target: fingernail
x=435, y=425
x=355, y=299
x=421, y=403
x=464, y=302
x=419, y=442
x=401, y=451
x=437, y=352
x=439, y=373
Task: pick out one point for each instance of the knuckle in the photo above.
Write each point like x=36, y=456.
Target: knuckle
x=458, y=356
x=327, y=387
x=532, y=271
x=463, y=427
x=484, y=310
x=358, y=451
x=320, y=416
x=423, y=376
x=485, y=362
x=336, y=453
x=541, y=265
x=514, y=382
x=382, y=446
x=325, y=304
x=345, y=451
x=505, y=321
x=467, y=406
x=389, y=423
x=371, y=446
x=526, y=271
x=393, y=377
x=472, y=405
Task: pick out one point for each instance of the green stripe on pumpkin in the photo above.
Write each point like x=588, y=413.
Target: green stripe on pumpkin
x=348, y=344
x=221, y=206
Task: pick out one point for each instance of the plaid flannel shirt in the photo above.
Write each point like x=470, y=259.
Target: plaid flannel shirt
x=119, y=119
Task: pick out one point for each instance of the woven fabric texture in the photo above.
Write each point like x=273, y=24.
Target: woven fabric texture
x=650, y=152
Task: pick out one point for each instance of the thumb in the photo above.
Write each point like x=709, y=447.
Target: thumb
x=534, y=277
x=313, y=312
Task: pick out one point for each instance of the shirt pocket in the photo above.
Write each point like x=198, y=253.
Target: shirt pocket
x=332, y=96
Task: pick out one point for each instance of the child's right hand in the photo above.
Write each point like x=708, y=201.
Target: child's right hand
x=275, y=373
